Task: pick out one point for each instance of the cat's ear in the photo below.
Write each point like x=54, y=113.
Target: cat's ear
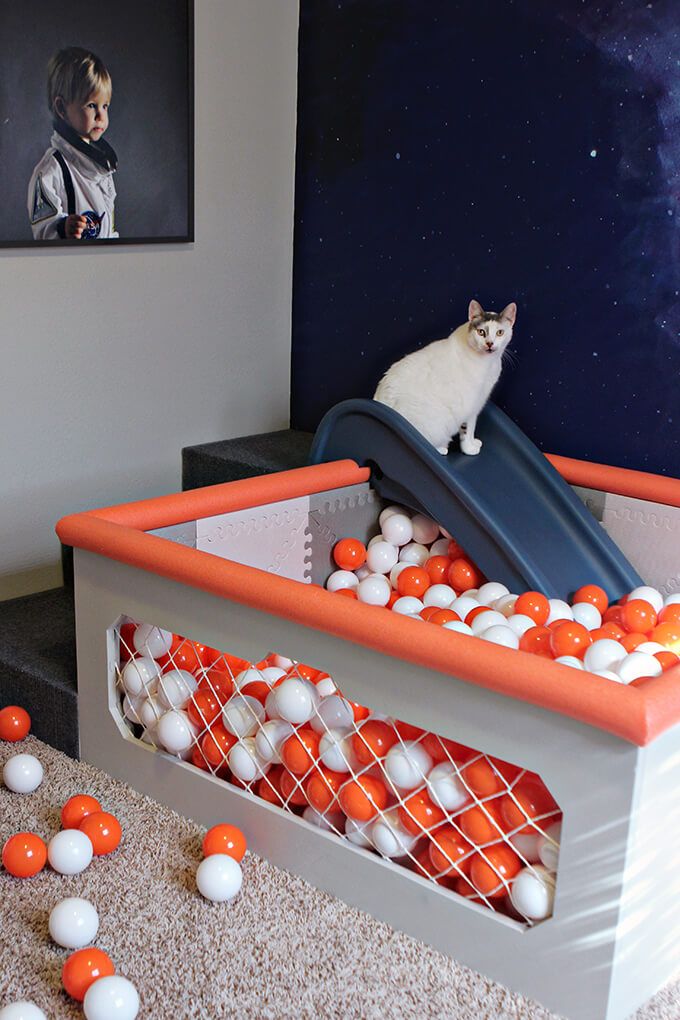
x=475, y=311
x=510, y=313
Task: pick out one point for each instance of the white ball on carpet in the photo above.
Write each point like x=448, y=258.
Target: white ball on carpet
x=21, y=1011
x=74, y=923
x=22, y=773
x=69, y=852
x=111, y=998
x=219, y=878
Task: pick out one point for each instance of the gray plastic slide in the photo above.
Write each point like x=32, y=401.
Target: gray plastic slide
x=511, y=511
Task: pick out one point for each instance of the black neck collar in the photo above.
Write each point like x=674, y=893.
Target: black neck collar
x=99, y=152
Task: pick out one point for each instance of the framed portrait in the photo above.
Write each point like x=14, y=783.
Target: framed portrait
x=96, y=123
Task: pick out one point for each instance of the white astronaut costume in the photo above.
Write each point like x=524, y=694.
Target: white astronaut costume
x=73, y=177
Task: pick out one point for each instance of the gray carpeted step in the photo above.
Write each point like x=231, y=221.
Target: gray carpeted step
x=38, y=664
x=232, y=459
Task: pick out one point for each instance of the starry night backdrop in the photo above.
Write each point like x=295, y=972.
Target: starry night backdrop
x=503, y=150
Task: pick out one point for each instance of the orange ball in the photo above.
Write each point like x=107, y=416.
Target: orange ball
x=349, y=554
x=418, y=813
x=258, y=689
x=455, y=551
x=530, y=800
x=183, y=654
x=491, y=873
x=667, y=659
x=83, y=968
x=638, y=616
x=269, y=786
x=570, y=638
x=407, y=731
x=219, y=682
x=536, y=640
x=423, y=866
x=216, y=745
x=482, y=775
x=631, y=641
x=428, y=612
x=534, y=605
x=482, y=823
x=669, y=614
x=322, y=788
x=450, y=851
x=438, y=569
x=349, y=593
x=301, y=751
x=224, y=839
x=362, y=798
x=442, y=616
x=442, y=749
x=613, y=630
x=360, y=712
x=464, y=575
x=125, y=642
x=667, y=634
x=292, y=789
x=203, y=708
x=413, y=581
x=198, y=758
x=593, y=594
x=15, y=722
x=613, y=615
x=474, y=613
x=76, y=808
x=24, y=855
x=373, y=740
x=103, y=830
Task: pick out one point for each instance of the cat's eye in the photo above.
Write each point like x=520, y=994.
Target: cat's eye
x=499, y=332
x=481, y=332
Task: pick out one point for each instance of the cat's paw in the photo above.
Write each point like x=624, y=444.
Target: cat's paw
x=443, y=450
x=470, y=446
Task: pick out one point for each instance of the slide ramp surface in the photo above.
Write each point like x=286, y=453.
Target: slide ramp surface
x=508, y=507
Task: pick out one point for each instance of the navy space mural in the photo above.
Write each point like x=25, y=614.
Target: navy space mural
x=503, y=150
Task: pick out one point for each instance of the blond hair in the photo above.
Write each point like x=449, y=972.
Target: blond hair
x=74, y=74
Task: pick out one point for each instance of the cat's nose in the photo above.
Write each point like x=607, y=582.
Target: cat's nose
x=489, y=345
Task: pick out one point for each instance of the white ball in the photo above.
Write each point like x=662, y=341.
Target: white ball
x=138, y=676
x=390, y=511
x=505, y=604
x=219, y=878
x=407, y=605
x=397, y=529
x=374, y=590
x=21, y=1011
x=243, y=714
x=570, y=660
x=150, y=711
x=440, y=547
x=270, y=674
x=245, y=762
x=425, y=530
x=407, y=765
x=532, y=892
x=549, y=846
x=335, y=751
x=463, y=605
x=607, y=674
x=672, y=600
x=111, y=998
x=176, y=687
x=175, y=731
x=282, y=662
x=489, y=618
x=270, y=738
x=333, y=713
x=414, y=554
x=526, y=845
x=152, y=641
x=73, y=923
x=247, y=676
x=490, y=592
x=499, y=635
x=604, y=654
x=651, y=647
x=587, y=615
x=358, y=832
x=559, y=610
x=362, y=571
x=325, y=686
x=381, y=557
x=22, y=773
x=342, y=579
x=638, y=664
x=445, y=788
x=440, y=595
x=295, y=700
x=389, y=837
x=647, y=594
x=132, y=708
x=520, y=623
x=69, y=852
x=459, y=626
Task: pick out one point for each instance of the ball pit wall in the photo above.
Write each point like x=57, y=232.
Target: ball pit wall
x=609, y=944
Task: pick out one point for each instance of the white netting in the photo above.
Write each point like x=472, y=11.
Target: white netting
x=481, y=827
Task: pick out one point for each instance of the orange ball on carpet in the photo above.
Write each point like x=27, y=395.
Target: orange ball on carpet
x=225, y=839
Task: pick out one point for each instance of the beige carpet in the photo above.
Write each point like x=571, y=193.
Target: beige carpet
x=281, y=949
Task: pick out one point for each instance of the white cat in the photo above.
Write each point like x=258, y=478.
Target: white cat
x=442, y=388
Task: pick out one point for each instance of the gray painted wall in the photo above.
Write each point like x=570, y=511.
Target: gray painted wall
x=115, y=359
